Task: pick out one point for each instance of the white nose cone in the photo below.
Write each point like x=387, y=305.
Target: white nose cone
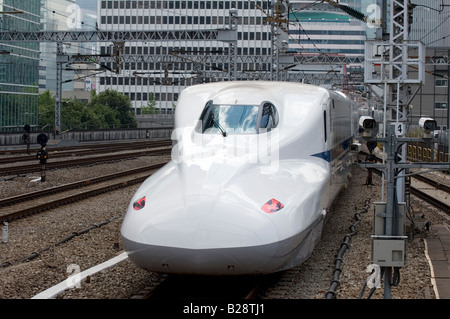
x=204, y=236
x=205, y=222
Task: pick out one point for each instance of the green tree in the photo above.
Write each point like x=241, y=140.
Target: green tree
x=109, y=110
x=108, y=116
x=117, y=102
x=46, y=109
x=77, y=115
x=151, y=106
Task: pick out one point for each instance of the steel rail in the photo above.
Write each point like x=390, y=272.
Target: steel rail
x=426, y=197
x=431, y=200
x=8, y=213
x=81, y=150
x=20, y=169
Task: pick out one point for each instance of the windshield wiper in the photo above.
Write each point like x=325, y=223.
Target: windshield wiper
x=216, y=123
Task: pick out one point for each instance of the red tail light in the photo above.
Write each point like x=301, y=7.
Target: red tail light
x=139, y=204
x=272, y=206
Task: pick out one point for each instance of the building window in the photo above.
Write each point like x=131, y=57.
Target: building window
x=440, y=105
x=441, y=82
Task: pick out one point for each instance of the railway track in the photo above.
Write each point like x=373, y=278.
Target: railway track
x=21, y=169
x=31, y=203
x=444, y=206
x=110, y=284
x=428, y=197
x=431, y=200
x=84, y=150
x=126, y=144
x=433, y=183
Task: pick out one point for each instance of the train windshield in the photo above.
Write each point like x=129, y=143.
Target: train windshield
x=236, y=119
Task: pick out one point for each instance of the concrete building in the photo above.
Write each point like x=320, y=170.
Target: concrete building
x=431, y=25
x=318, y=27
x=140, y=80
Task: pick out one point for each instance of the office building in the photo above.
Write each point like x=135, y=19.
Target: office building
x=329, y=32
x=19, y=66
x=431, y=25
x=164, y=81
x=320, y=29
x=68, y=15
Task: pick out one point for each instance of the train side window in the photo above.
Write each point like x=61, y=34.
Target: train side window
x=325, y=125
x=269, y=116
x=205, y=119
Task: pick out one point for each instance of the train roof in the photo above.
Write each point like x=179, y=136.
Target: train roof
x=283, y=95
x=252, y=92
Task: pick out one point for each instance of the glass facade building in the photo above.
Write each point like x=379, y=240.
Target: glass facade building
x=65, y=15
x=19, y=66
x=54, y=16
x=321, y=28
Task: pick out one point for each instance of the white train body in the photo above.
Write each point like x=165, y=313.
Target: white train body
x=246, y=191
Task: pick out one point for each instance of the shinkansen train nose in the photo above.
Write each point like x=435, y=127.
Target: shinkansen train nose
x=201, y=238
x=205, y=222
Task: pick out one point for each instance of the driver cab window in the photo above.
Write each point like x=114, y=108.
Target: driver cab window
x=269, y=116
x=236, y=119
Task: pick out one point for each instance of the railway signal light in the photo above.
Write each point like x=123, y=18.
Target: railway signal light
x=42, y=154
x=42, y=139
x=367, y=125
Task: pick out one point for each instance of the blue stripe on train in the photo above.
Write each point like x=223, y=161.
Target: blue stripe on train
x=326, y=155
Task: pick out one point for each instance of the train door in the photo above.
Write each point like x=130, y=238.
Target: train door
x=327, y=125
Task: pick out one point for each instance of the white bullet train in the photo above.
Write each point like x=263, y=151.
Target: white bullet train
x=255, y=166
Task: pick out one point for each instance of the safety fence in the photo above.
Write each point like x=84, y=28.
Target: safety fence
x=163, y=132
x=421, y=153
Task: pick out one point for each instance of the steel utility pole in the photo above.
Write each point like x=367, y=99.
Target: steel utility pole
x=387, y=64
x=279, y=25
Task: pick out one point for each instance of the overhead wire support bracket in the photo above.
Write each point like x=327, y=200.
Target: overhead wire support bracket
x=111, y=36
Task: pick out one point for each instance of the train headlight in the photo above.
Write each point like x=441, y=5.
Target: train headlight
x=272, y=206
x=139, y=204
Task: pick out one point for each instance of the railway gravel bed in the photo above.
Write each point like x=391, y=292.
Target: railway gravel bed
x=311, y=280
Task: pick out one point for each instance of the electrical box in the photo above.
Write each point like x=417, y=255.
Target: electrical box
x=389, y=252
x=380, y=218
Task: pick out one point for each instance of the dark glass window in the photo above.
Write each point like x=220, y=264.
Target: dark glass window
x=269, y=116
x=237, y=119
